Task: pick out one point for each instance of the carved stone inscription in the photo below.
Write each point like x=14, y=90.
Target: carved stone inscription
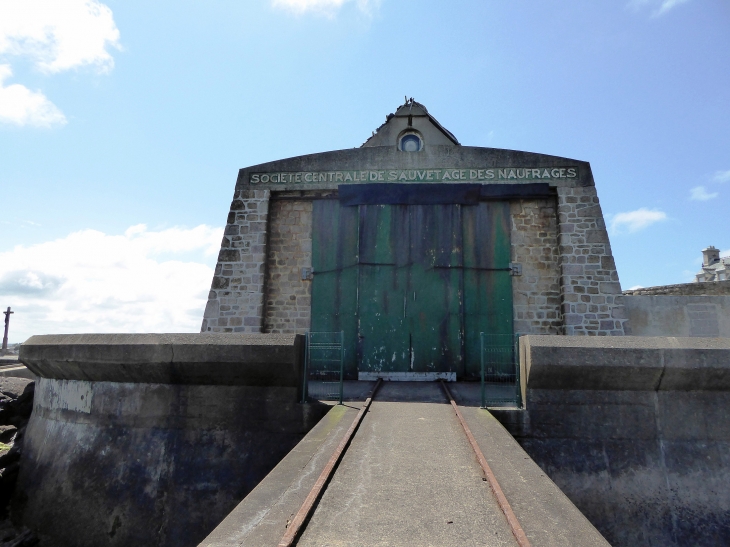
x=416, y=175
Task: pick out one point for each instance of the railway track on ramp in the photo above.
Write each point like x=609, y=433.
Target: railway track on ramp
x=407, y=472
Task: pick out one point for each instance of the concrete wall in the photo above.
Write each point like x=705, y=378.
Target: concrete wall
x=635, y=431
x=684, y=289
x=679, y=315
x=153, y=439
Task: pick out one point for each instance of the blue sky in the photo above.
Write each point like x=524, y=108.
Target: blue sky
x=123, y=126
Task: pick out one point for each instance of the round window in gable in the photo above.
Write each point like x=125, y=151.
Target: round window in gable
x=410, y=143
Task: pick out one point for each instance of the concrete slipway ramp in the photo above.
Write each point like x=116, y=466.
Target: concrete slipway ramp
x=408, y=478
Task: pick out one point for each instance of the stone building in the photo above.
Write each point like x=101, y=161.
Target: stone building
x=412, y=245
x=714, y=268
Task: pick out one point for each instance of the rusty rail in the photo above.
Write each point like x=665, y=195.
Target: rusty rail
x=504, y=505
x=305, y=510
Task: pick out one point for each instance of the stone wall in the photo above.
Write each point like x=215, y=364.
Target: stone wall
x=536, y=293
x=288, y=296
x=236, y=298
x=152, y=439
x=590, y=290
x=679, y=315
x=569, y=283
x=16, y=404
x=635, y=431
x=534, y=246
x=684, y=289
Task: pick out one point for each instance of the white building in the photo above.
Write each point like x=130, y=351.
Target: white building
x=714, y=268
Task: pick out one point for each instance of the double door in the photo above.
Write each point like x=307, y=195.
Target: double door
x=411, y=286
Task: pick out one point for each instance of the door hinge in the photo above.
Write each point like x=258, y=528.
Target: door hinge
x=515, y=268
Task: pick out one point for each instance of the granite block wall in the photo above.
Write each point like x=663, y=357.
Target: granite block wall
x=536, y=293
x=236, y=302
x=591, y=298
x=288, y=296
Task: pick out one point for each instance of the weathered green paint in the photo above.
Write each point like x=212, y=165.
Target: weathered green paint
x=383, y=327
x=435, y=291
x=383, y=332
x=487, y=280
x=412, y=286
x=335, y=266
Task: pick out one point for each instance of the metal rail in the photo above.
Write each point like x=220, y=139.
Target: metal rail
x=306, y=509
x=504, y=505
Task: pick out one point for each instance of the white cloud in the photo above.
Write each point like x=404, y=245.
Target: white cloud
x=700, y=193
x=140, y=281
x=722, y=176
x=56, y=35
x=21, y=106
x=633, y=221
x=326, y=7
x=667, y=5
x=659, y=7
x=59, y=35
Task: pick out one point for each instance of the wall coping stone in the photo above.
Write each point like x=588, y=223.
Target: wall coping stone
x=633, y=363
x=702, y=288
x=195, y=358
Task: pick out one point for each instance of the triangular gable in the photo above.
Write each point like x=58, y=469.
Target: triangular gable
x=411, y=116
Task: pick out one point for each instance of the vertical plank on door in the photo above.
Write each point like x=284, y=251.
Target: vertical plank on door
x=487, y=280
x=383, y=329
x=334, y=283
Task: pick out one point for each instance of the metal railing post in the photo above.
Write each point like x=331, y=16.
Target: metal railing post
x=481, y=358
x=305, y=380
x=518, y=377
x=342, y=362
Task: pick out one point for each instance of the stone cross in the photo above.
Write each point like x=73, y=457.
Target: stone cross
x=7, y=325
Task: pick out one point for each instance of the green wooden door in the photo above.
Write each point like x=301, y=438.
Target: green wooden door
x=412, y=286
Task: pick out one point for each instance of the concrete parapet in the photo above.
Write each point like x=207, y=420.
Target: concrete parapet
x=153, y=439
x=635, y=431
x=198, y=359
x=633, y=363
